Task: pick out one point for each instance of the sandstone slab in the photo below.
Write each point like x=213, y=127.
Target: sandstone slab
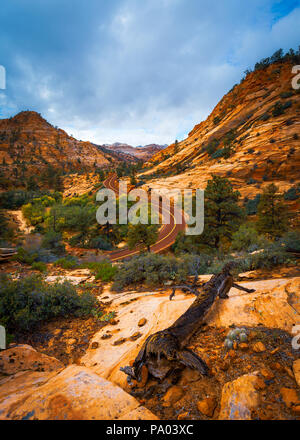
x=76, y=393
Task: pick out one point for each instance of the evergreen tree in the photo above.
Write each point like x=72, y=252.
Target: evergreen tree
x=222, y=214
x=32, y=184
x=142, y=235
x=272, y=213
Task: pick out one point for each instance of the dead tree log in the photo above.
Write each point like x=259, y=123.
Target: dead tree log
x=165, y=350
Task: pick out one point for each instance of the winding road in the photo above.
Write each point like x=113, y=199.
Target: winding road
x=167, y=233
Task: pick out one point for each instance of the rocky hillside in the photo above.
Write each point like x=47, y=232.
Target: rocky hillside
x=251, y=137
x=140, y=152
x=28, y=144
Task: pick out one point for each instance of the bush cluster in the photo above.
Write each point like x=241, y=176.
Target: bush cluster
x=26, y=302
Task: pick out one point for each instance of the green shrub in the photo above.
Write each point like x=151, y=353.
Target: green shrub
x=251, y=181
x=291, y=241
x=100, y=243
x=225, y=152
x=292, y=193
x=103, y=270
x=66, y=263
x=247, y=238
x=149, y=269
x=39, y=265
x=272, y=256
x=29, y=301
x=53, y=241
x=252, y=204
x=24, y=256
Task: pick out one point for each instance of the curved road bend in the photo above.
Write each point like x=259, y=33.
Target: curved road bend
x=167, y=233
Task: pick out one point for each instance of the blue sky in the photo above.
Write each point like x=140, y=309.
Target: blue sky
x=134, y=71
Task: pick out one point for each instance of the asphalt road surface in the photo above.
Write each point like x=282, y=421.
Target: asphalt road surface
x=167, y=233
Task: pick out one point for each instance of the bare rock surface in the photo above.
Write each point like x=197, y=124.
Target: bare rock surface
x=75, y=393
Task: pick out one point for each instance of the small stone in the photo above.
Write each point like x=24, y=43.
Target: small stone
x=260, y=384
x=267, y=374
x=113, y=321
x=172, y=396
x=225, y=366
x=106, y=336
x=56, y=332
x=71, y=341
x=296, y=409
x=144, y=377
x=252, y=335
x=132, y=384
x=207, y=406
x=182, y=416
x=135, y=336
x=94, y=345
x=290, y=397
x=275, y=350
x=276, y=366
x=142, y=322
x=189, y=376
x=289, y=372
x=258, y=347
x=243, y=346
x=232, y=354
x=119, y=341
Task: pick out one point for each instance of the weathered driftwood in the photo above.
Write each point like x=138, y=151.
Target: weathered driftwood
x=165, y=350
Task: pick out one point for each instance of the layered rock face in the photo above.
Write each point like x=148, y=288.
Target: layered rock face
x=29, y=143
x=257, y=123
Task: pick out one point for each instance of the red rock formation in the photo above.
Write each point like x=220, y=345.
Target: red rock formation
x=264, y=143
x=28, y=143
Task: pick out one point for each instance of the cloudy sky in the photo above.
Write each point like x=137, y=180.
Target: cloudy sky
x=135, y=71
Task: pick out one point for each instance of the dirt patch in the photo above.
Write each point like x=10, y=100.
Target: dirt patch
x=66, y=339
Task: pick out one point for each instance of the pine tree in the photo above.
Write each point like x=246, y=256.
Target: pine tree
x=142, y=235
x=272, y=213
x=222, y=214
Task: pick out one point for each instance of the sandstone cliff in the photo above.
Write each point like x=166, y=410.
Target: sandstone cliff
x=251, y=137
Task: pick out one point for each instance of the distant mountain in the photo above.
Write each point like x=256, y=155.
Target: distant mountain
x=29, y=144
x=141, y=152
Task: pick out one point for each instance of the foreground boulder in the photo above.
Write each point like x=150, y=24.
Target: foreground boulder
x=75, y=393
x=24, y=357
x=239, y=398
